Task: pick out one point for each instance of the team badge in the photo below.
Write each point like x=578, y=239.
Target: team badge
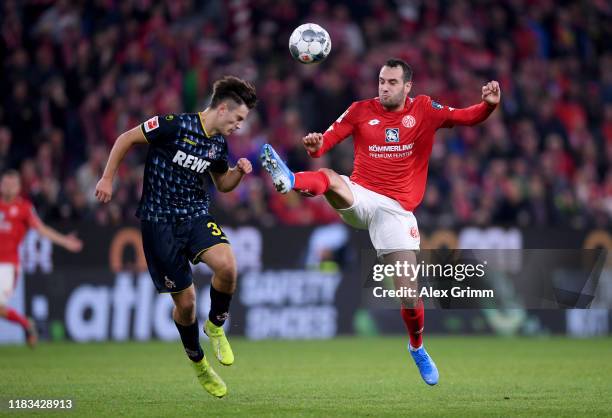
x=392, y=135
x=169, y=283
x=409, y=121
x=414, y=232
x=151, y=124
x=192, y=353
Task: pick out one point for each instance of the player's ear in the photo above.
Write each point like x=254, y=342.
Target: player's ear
x=408, y=86
x=222, y=108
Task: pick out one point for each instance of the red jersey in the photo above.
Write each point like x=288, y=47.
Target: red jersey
x=16, y=218
x=392, y=149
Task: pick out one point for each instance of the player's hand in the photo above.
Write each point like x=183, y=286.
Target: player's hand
x=313, y=142
x=244, y=166
x=73, y=244
x=491, y=93
x=104, y=190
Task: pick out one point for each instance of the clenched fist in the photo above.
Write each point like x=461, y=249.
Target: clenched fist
x=313, y=142
x=244, y=166
x=491, y=93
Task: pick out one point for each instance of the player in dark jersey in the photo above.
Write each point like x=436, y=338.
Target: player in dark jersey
x=176, y=226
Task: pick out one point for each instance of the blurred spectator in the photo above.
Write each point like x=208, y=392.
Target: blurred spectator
x=77, y=74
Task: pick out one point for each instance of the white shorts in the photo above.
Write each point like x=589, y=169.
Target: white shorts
x=392, y=228
x=7, y=282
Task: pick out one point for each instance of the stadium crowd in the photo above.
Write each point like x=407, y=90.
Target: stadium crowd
x=75, y=74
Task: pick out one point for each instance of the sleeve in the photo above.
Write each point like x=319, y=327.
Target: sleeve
x=447, y=117
x=221, y=165
x=338, y=131
x=160, y=129
x=32, y=219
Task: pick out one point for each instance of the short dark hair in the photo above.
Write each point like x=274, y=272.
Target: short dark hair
x=234, y=88
x=10, y=172
x=406, y=69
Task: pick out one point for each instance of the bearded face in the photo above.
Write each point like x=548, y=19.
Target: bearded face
x=392, y=89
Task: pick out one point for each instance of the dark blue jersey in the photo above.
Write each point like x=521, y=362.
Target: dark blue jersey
x=179, y=158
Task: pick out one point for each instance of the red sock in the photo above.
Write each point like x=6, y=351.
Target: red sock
x=13, y=316
x=311, y=182
x=414, y=318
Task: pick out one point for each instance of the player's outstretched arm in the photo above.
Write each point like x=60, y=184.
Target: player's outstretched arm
x=318, y=144
x=68, y=241
x=491, y=96
x=228, y=181
x=104, y=188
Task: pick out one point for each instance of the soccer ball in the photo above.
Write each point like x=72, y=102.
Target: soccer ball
x=309, y=43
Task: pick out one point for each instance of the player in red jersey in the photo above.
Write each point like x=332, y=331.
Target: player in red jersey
x=17, y=215
x=393, y=136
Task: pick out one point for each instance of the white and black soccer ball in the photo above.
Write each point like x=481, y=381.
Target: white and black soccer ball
x=309, y=43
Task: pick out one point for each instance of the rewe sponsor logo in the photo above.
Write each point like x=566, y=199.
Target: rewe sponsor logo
x=189, y=161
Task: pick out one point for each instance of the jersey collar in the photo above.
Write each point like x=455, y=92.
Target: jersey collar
x=202, y=123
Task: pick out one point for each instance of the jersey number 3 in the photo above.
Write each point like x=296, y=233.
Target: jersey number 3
x=215, y=229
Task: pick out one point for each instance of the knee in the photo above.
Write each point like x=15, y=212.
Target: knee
x=334, y=178
x=226, y=273
x=185, y=308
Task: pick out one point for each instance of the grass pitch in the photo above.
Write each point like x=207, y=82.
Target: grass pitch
x=343, y=377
